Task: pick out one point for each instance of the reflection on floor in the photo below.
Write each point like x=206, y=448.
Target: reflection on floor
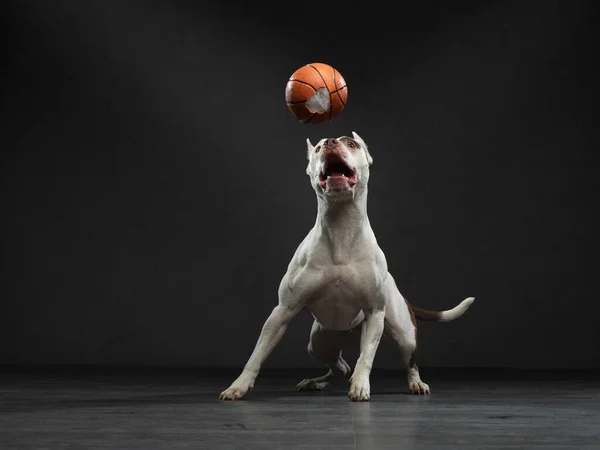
x=156, y=409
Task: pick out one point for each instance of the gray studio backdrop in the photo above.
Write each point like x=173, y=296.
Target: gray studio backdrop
x=153, y=183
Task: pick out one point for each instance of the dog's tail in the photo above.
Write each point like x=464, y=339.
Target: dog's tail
x=443, y=316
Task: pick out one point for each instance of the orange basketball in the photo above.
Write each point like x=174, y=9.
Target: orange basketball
x=316, y=93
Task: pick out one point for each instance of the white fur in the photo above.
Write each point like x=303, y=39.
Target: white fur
x=340, y=275
x=457, y=311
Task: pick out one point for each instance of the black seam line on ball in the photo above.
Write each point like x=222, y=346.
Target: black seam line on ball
x=337, y=91
x=304, y=82
x=330, y=109
x=311, y=118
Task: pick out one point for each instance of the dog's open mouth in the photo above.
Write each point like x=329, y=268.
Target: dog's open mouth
x=336, y=171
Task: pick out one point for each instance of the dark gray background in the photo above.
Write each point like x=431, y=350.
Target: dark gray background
x=153, y=186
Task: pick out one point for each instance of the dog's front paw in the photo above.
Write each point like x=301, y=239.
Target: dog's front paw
x=236, y=391
x=417, y=387
x=360, y=390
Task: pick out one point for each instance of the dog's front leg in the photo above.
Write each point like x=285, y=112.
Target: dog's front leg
x=372, y=329
x=272, y=331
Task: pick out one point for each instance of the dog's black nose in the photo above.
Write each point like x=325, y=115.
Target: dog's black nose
x=329, y=142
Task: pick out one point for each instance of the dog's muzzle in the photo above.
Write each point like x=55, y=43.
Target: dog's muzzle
x=336, y=174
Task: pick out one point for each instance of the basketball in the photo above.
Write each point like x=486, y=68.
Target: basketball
x=316, y=93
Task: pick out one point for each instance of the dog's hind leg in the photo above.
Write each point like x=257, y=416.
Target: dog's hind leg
x=401, y=327
x=325, y=346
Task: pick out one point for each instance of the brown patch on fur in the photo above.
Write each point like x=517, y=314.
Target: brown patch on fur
x=413, y=319
x=425, y=314
x=422, y=314
x=412, y=363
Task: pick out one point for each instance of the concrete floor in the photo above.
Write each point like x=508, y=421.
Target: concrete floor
x=115, y=409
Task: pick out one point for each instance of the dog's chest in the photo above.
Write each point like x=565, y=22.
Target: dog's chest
x=339, y=297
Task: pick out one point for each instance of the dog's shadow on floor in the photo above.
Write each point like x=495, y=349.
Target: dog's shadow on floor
x=337, y=392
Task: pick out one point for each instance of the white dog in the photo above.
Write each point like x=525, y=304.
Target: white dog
x=341, y=275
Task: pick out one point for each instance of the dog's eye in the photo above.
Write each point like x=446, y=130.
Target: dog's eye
x=317, y=148
x=350, y=144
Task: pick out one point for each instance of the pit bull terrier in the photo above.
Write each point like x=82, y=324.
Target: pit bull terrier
x=340, y=275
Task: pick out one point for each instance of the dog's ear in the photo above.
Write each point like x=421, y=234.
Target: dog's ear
x=363, y=145
x=309, y=148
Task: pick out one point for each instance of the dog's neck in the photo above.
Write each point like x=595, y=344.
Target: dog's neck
x=341, y=222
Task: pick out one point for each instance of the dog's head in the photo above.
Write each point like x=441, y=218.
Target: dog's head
x=339, y=167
